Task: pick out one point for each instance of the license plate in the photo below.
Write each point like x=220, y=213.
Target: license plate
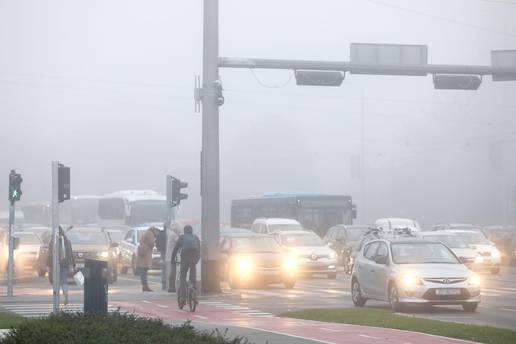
x=447, y=291
x=270, y=273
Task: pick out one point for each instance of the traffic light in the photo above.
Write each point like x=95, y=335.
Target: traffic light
x=15, y=191
x=176, y=195
x=63, y=177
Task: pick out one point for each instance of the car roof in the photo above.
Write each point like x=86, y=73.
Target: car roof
x=86, y=229
x=405, y=240
x=278, y=221
x=435, y=233
x=457, y=231
x=294, y=232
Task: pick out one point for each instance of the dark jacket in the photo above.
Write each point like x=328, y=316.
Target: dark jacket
x=190, y=256
x=67, y=259
x=161, y=242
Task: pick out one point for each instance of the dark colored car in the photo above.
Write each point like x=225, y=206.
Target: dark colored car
x=344, y=239
x=252, y=259
x=93, y=242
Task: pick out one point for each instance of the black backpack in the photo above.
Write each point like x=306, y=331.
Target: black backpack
x=161, y=242
x=190, y=244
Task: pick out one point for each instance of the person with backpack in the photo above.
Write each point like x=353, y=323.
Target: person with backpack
x=190, y=247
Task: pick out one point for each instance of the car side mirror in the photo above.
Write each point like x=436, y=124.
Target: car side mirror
x=114, y=244
x=381, y=260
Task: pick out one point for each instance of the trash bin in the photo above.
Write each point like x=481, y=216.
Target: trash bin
x=95, y=286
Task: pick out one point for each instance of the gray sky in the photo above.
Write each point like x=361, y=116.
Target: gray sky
x=107, y=88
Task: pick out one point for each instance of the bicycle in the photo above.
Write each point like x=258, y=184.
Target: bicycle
x=191, y=295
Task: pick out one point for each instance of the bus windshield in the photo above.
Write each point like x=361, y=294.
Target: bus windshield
x=145, y=212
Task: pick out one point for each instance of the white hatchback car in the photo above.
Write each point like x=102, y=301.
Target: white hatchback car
x=272, y=225
x=405, y=271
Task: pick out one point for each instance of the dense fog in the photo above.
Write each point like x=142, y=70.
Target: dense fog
x=106, y=87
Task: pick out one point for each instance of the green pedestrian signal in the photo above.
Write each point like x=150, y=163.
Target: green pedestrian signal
x=15, y=181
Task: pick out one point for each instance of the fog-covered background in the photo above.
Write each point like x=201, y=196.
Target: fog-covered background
x=106, y=87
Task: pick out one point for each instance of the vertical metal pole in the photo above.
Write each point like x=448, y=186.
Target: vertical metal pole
x=210, y=147
x=55, y=235
x=362, y=164
x=10, y=263
x=170, y=216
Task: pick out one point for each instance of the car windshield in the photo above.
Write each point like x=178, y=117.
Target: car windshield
x=422, y=253
x=148, y=212
x=354, y=234
x=250, y=244
x=87, y=238
x=452, y=241
x=474, y=238
x=301, y=239
x=28, y=239
x=117, y=236
x=285, y=227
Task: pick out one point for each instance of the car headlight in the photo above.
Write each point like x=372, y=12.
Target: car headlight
x=479, y=259
x=496, y=254
x=245, y=265
x=290, y=263
x=410, y=280
x=474, y=280
x=332, y=255
x=103, y=254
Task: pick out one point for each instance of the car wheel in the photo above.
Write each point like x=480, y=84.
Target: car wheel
x=394, y=298
x=470, y=307
x=332, y=275
x=356, y=294
x=289, y=284
x=495, y=271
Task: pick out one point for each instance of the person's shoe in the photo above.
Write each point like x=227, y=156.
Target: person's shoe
x=147, y=289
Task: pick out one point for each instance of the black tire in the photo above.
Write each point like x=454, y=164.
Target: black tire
x=394, y=298
x=289, y=284
x=356, y=294
x=495, y=271
x=332, y=275
x=470, y=307
x=192, y=300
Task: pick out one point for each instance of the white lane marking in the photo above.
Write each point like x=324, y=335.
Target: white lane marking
x=333, y=291
x=508, y=309
x=162, y=306
x=200, y=317
x=370, y=337
x=329, y=329
x=287, y=334
x=489, y=294
x=212, y=303
x=145, y=301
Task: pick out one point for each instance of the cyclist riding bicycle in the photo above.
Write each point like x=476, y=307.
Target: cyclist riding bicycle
x=190, y=247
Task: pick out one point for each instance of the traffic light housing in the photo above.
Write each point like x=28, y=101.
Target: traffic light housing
x=15, y=181
x=176, y=195
x=63, y=177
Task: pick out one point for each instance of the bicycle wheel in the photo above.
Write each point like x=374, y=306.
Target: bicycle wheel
x=192, y=299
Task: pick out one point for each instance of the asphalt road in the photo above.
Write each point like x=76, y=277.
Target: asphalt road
x=242, y=310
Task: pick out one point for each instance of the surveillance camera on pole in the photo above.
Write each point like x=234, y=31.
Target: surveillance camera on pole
x=15, y=192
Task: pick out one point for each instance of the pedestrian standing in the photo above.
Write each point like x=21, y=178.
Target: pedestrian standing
x=172, y=236
x=66, y=261
x=161, y=246
x=144, y=255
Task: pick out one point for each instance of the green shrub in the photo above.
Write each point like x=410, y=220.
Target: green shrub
x=114, y=328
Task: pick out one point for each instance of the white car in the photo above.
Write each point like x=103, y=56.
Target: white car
x=405, y=271
x=390, y=224
x=313, y=255
x=469, y=256
x=491, y=256
x=272, y=225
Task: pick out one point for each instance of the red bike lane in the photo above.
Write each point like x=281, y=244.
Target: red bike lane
x=166, y=309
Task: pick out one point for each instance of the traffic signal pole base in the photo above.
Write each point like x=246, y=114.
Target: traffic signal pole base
x=210, y=283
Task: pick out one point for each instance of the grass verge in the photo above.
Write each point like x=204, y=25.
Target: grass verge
x=8, y=320
x=385, y=318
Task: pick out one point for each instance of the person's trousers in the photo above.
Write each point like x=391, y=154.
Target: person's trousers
x=163, y=273
x=143, y=277
x=63, y=279
x=172, y=277
x=185, y=266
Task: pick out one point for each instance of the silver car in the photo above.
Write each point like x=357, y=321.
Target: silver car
x=405, y=271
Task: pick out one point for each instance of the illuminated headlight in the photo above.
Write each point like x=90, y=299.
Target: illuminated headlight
x=245, y=265
x=496, y=254
x=479, y=260
x=332, y=255
x=474, y=280
x=290, y=263
x=104, y=254
x=410, y=281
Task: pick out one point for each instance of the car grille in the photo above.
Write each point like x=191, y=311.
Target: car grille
x=314, y=256
x=431, y=296
x=82, y=255
x=445, y=280
x=270, y=265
